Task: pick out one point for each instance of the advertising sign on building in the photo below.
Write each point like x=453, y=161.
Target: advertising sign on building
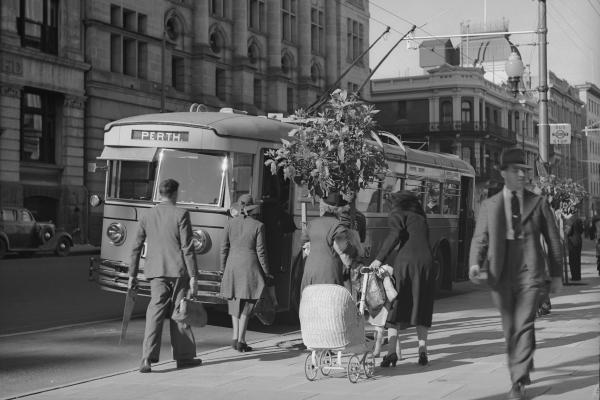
x=560, y=133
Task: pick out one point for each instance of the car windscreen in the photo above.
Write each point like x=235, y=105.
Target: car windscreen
x=200, y=176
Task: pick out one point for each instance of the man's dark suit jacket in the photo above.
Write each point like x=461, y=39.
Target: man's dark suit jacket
x=488, y=246
x=170, y=251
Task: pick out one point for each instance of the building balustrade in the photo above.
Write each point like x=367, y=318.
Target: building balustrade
x=478, y=128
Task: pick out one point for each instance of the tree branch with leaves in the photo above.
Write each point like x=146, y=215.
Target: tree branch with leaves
x=334, y=151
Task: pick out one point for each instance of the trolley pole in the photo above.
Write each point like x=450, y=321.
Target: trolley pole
x=544, y=140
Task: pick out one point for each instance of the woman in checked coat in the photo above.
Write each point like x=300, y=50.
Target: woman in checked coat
x=244, y=266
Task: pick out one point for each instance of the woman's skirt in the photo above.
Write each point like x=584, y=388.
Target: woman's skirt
x=238, y=307
x=416, y=292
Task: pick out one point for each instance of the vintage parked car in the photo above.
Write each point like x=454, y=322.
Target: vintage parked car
x=21, y=233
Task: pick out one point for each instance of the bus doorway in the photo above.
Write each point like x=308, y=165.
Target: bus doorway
x=466, y=222
x=277, y=215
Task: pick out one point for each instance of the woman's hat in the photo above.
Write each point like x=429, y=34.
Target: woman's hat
x=245, y=202
x=513, y=156
x=335, y=198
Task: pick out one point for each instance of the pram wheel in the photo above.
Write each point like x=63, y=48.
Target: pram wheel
x=326, y=362
x=368, y=364
x=354, y=368
x=311, y=369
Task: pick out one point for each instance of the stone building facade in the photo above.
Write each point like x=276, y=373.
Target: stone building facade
x=590, y=95
x=565, y=107
x=42, y=107
x=113, y=59
x=456, y=110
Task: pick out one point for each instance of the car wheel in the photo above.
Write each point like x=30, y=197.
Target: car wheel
x=63, y=247
x=3, y=248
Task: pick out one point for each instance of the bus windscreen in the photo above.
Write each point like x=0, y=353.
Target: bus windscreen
x=200, y=176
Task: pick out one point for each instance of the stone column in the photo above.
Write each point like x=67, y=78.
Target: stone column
x=476, y=116
x=72, y=146
x=202, y=67
x=434, y=111
x=334, y=27
x=456, y=108
x=276, y=88
x=10, y=137
x=242, y=76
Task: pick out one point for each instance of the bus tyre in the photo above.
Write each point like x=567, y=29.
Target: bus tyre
x=63, y=247
x=3, y=248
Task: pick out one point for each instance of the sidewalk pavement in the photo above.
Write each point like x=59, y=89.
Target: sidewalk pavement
x=466, y=351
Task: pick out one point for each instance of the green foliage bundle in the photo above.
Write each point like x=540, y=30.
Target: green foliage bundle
x=333, y=151
x=561, y=192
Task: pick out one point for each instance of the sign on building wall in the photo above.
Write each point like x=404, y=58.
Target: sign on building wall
x=560, y=133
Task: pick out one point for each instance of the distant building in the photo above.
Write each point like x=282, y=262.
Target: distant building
x=590, y=95
x=565, y=107
x=70, y=67
x=456, y=110
x=42, y=109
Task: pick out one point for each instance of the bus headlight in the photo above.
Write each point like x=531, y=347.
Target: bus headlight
x=116, y=233
x=201, y=241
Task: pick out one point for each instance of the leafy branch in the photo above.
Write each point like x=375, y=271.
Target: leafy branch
x=333, y=151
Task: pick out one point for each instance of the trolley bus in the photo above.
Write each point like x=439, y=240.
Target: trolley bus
x=218, y=156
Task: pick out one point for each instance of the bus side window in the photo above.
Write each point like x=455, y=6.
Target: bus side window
x=368, y=199
x=451, y=198
x=434, y=191
x=417, y=187
x=241, y=167
x=391, y=184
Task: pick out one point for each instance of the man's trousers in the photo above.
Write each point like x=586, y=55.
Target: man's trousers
x=159, y=308
x=516, y=296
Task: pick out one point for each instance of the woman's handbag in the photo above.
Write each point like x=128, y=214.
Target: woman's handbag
x=188, y=311
x=375, y=296
x=265, y=308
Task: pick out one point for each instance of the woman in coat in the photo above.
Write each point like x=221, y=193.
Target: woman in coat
x=244, y=266
x=328, y=238
x=414, y=273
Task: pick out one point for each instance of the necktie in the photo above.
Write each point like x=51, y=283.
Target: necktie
x=515, y=209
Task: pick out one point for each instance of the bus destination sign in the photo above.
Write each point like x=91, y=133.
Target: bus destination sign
x=161, y=136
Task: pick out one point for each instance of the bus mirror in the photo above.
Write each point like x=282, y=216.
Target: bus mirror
x=93, y=167
x=95, y=200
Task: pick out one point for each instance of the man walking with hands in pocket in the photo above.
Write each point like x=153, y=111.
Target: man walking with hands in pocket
x=170, y=266
x=506, y=247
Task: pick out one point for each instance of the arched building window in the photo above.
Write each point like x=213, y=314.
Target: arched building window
x=315, y=74
x=446, y=108
x=465, y=111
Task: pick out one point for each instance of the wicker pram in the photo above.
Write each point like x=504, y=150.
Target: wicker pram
x=330, y=323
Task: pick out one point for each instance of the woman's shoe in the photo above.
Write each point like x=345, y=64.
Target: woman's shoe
x=389, y=360
x=423, y=358
x=243, y=347
x=234, y=343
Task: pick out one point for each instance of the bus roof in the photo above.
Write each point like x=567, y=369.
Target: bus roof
x=446, y=161
x=223, y=124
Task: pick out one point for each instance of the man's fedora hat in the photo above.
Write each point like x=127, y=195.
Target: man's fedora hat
x=513, y=156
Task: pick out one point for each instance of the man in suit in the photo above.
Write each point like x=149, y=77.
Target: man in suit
x=507, y=245
x=171, y=268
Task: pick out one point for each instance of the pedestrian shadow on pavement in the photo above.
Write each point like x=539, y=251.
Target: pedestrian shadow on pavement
x=270, y=353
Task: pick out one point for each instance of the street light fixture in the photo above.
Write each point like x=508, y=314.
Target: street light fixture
x=514, y=68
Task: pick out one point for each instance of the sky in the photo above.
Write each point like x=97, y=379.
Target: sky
x=573, y=32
